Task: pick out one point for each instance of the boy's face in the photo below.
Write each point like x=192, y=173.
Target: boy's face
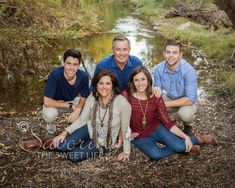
x=172, y=55
x=71, y=66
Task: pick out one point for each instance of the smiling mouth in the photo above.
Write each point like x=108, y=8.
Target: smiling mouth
x=140, y=88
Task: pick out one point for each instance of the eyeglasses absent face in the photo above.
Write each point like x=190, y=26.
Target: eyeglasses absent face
x=121, y=50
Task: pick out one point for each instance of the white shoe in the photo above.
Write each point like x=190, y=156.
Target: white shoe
x=51, y=128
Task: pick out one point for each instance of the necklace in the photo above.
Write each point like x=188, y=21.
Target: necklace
x=102, y=119
x=106, y=107
x=144, y=120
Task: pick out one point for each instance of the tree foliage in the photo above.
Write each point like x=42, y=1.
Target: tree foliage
x=47, y=15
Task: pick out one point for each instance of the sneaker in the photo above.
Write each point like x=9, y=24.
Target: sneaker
x=51, y=128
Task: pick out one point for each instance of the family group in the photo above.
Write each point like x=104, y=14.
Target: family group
x=123, y=105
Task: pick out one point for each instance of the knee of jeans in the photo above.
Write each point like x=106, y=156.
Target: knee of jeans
x=154, y=155
x=179, y=147
x=63, y=147
x=50, y=115
x=74, y=156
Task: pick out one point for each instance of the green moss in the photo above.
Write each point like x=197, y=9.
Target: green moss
x=53, y=4
x=60, y=14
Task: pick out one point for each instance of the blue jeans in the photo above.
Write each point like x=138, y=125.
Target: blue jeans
x=79, y=145
x=173, y=144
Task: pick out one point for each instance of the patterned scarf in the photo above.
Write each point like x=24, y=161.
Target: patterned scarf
x=97, y=105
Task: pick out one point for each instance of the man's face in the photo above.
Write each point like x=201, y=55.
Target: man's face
x=71, y=66
x=172, y=55
x=121, y=51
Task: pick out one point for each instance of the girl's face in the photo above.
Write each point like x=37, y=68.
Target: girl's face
x=140, y=82
x=105, y=86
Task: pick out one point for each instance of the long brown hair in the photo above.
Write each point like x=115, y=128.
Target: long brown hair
x=98, y=76
x=97, y=104
x=131, y=87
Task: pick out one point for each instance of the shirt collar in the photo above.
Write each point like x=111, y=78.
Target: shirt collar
x=114, y=64
x=176, y=70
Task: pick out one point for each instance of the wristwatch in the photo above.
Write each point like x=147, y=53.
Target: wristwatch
x=70, y=105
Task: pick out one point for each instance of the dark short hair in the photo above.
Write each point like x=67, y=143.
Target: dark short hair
x=131, y=87
x=99, y=75
x=72, y=53
x=173, y=42
x=120, y=38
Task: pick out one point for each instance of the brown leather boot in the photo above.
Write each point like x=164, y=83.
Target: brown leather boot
x=195, y=149
x=207, y=139
x=45, y=143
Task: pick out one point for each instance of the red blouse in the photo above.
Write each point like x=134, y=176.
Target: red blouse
x=155, y=115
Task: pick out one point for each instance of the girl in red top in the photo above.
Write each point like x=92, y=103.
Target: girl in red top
x=150, y=121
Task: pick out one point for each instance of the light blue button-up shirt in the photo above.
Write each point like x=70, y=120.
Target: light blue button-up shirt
x=179, y=83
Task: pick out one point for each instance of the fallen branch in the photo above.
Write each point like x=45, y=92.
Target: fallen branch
x=210, y=17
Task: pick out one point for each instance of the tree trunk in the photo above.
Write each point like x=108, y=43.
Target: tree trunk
x=229, y=8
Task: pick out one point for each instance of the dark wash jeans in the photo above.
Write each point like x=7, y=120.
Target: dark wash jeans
x=79, y=145
x=173, y=144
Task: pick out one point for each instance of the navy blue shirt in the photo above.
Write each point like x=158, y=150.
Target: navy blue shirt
x=58, y=88
x=123, y=76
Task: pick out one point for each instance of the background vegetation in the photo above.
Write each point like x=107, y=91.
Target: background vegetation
x=218, y=44
x=28, y=28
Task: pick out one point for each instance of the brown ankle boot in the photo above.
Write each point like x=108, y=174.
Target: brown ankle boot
x=195, y=149
x=207, y=139
x=45, y=143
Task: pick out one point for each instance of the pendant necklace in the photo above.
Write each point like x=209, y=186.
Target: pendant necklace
x=102, y=119
x=144, y=120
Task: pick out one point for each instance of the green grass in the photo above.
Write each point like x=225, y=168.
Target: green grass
x=217, y=44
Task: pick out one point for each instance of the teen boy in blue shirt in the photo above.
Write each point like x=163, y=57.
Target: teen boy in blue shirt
x=178, y=80
x=63, y=86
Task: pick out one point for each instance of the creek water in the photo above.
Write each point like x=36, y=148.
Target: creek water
x=118, y=18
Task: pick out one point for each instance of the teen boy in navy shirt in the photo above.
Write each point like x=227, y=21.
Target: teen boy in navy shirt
x=63, y=86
